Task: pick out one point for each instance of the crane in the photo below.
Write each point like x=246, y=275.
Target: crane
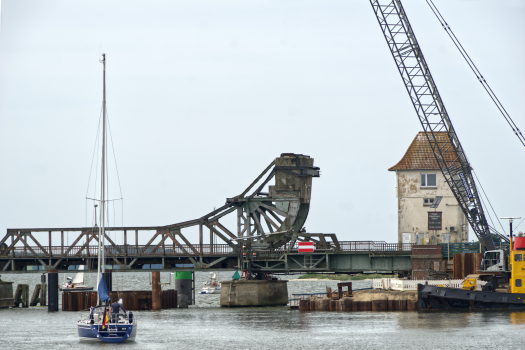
x=434, y=119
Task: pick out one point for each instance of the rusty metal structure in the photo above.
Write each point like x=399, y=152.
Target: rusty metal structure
x=268, y=222
x=271, y=218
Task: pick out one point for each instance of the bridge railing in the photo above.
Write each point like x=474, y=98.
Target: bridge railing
x=193, y=250
x=374, y=246
x=448, y=250
x=116, y=251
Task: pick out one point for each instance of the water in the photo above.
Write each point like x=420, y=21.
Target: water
x=208, y=326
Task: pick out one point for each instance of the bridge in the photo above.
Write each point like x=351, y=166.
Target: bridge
x=269, y=223
x=168, y=251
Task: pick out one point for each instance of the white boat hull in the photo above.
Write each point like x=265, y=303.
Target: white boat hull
x=211, y=290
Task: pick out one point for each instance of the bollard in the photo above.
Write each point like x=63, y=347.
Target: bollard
x=52, y=290
x=155, y=291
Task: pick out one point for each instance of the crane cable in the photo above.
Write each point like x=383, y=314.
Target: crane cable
x=490, y=204
x=476, y=71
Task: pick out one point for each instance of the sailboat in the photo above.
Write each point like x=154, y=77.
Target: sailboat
x=101, y=324
x=76, y=284
x=212, y=285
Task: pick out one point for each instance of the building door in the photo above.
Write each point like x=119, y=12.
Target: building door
x=407, y=238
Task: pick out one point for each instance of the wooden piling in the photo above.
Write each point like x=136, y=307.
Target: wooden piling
x=379, y=305
x=39, y=295
x=323, y=305
x=411, y=305
x=304, y=304
x=362, y=305
x=347, y=304
x=397, y=305
x=458, y=266
x=131, y=300
x=156, y=300
x=22, y=295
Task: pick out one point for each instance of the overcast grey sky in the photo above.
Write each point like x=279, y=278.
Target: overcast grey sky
x=202, y=95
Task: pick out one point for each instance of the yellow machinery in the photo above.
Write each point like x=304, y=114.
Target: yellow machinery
x=469, y=284
x=517, y=265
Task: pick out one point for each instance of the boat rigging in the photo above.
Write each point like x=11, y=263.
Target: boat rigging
x=103, y=323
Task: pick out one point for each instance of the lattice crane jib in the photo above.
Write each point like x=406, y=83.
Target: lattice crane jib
x=432, y=114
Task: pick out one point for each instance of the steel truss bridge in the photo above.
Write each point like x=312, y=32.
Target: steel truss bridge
x=269, y=224
x=169, y=254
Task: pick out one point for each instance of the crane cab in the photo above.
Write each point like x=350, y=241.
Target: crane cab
x=494, y=261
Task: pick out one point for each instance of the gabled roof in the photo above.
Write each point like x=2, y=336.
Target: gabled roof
x=419, y=156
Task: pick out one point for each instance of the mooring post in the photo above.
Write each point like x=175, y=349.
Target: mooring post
x=108, y=278
x=155, y=290
x=22, y=295
x=183, y=286
x=52, y=290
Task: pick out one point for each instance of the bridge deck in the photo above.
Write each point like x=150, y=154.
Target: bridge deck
x=205, y=256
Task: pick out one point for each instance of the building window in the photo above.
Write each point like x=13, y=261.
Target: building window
x=428, y=180
x=428, y=201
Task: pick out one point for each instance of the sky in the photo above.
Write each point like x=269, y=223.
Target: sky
x=202, y=95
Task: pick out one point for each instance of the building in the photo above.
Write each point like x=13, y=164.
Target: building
x=419, y=180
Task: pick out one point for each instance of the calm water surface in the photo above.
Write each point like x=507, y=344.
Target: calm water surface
x=208, y=326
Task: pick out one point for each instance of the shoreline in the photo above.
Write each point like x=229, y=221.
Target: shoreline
x=326, y=279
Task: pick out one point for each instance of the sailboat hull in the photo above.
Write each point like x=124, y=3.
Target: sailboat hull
x=76, y=289
x=113, y=332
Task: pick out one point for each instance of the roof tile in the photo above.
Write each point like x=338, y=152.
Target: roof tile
x=420, y=156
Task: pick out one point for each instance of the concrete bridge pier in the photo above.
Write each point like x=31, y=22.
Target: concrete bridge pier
x=236, y=293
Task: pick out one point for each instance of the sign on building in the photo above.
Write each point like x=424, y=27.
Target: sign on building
x=434, y=220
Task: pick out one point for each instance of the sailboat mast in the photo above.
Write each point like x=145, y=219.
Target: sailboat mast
x=101, y=232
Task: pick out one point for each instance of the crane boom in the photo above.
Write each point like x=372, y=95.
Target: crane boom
x=432, y=114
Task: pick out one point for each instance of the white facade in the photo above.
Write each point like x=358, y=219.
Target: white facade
x=415, y=194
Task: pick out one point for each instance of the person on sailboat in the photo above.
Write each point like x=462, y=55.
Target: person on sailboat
x=115, y=308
